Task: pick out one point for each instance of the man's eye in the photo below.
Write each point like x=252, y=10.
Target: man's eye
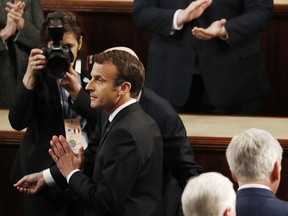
x=99, y=81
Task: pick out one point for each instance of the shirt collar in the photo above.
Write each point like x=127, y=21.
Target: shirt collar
x=139, y=96
x=111, y=117
x=254, y=186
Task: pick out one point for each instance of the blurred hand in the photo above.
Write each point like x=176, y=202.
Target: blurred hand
x=31, y=184
x=216, y=29
x=70, y=83
x=15, y=12
x=193, y=11
x=9, y=29
x=63, y=155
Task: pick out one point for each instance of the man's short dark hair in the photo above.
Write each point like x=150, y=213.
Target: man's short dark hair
x=129, y=69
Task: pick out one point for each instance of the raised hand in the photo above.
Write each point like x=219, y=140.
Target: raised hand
x=70, y=83
x=193, y=11
x=64, y=156
x=216, y=29
x=15, y=12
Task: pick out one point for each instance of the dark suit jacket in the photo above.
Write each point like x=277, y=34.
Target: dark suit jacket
x=40, y=112
x=14, y=57
x=256, y=202
x=126, y=178
x=232, y=69
x=179, y=164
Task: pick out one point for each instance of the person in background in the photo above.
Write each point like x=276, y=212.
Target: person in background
x=254, y=157
x=209, y=194
x=42, y=107
x=20, y=24
x=205, y=56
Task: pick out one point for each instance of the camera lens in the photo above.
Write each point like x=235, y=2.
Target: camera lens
x=57, y=66
x=58, y=62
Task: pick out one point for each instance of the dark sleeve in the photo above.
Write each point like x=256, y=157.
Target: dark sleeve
x=21, y=111
x=90, y=152
x=3, y=45
x=59, y=179
x=178, y=152
x=118, y=167
x=148, y=15
x=254, y=17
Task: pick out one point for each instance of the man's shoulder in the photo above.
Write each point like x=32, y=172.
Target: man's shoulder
x=150, y=102
x=255, y=198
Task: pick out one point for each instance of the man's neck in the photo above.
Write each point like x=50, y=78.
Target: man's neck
x=257, y=183
x=119, y=108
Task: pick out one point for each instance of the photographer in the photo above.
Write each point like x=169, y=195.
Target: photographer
x=43, y=107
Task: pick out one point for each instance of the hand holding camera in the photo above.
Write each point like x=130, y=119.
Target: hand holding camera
x=70, y=83
x=36, y=63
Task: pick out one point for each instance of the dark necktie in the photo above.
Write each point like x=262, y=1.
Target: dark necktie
x=105, y=128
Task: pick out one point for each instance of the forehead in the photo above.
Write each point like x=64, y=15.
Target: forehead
x=69, y=37
x=105, y=69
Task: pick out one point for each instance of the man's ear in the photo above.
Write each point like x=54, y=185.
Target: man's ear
x=227, y=212
x=124, y=88
x=234, y=178
x=276, y=171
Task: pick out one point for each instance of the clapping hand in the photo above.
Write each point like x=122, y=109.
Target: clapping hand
x=193, y=11
x=64, y=156
x=15, y=12
x=216, y=29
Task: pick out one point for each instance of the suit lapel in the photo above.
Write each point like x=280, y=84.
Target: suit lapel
x=117, y=118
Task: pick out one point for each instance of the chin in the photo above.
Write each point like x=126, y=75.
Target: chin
x=93, y=105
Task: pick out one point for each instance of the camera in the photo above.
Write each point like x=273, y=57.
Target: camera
x=58, y=57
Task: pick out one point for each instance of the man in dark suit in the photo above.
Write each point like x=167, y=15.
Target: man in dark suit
x=254, y=159
x=178, y=158
x=219, y=69
x=126, y=178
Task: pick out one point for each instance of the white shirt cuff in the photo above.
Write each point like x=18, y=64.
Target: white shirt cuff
x=175, y=25
x=71, y=173
x=48, y=177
